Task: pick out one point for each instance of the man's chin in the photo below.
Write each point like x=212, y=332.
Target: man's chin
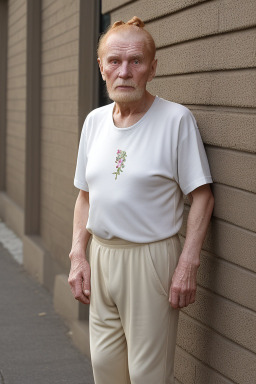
x=125, y=97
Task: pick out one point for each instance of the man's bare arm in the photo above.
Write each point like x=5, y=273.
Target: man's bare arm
x=79, y=276
x=183, y=287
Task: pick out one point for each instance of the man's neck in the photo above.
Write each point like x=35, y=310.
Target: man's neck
x=127, y=114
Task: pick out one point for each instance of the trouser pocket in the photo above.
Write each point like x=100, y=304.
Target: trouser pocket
x=163, y=257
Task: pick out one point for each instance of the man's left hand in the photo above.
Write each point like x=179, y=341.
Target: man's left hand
x=183, y=287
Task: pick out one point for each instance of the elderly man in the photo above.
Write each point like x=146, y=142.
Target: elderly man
x=137, y=157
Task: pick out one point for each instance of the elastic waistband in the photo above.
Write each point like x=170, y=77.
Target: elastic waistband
x=116, y=242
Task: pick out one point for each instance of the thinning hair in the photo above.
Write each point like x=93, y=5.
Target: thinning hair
x=135, y=24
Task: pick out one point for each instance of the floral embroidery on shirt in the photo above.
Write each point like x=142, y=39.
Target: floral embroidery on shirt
x=120, y=160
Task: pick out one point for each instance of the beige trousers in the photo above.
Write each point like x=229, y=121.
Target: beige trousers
x=133, y=328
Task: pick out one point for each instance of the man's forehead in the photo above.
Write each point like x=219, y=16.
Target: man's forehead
x=125, y=40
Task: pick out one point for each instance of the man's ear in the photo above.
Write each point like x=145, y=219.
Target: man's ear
x=101, y=68
x=153, y=70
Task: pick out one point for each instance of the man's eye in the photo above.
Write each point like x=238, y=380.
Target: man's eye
x=136, y=61
x=114, y=61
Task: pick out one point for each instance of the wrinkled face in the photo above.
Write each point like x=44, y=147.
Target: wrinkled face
x=126, y=65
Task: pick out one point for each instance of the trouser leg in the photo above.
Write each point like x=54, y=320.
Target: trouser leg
x=107, y=339
x=150, y=323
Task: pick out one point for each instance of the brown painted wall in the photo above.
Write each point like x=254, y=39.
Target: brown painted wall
x=16, y=101
x=59, y=129
x=206, y=61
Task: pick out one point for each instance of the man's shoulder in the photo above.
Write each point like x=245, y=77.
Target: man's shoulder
x=173, y=109
x=100, y=112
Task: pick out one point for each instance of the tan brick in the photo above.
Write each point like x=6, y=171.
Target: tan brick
x=66, y=37
x=60, y=79
x=54, y=180
x=57, y=218
x=201, y=20
x=12, y=186
x=16, y=127
x=15, y=14
x=19, y=105
x=17, y=27
x=61, y=65
x=57, y=151
x=233, y=168
x=67, y=24
x=16, y=173
x=60, y=107
x=15, y=5
x=17, y=59
x=190, y=370
x=57, y=241
x=16, y=94
x=221, y=354
x=235, y=206
x=61, y=203
x=56, y=137
x=16, y=142
x=229, y=88
x=16, y=133
x=60, y=124
x=184, y=367
x=17, y=45
x=225, y=127
x=57, y=210
x=228, y=280
x=56, y=165
x=49, y=8
x=150, y=9
x=228, y=51
x=59, y=52
x=228, y=319
x=16, y=71
x=17, y=42
x=15, y=162
x=236, y=14
x=16, y=82
x=109, y=5
x=58, y=17
x=47, y=3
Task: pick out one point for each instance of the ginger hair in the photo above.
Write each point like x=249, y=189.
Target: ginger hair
x=135, y=24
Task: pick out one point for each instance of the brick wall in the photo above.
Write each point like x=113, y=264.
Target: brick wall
x=59, y=130
x=206, y=61
x=16, y=101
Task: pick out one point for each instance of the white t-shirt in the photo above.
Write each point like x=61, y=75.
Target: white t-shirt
x=136, y=176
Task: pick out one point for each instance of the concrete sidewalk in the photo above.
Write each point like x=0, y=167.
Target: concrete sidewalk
x=34, y=344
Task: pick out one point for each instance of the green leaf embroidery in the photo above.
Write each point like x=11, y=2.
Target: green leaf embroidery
x=120, y=160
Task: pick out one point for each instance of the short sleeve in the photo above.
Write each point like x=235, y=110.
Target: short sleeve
x=193, y=167
x=80, y=173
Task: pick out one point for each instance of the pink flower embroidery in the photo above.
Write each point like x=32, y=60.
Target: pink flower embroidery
x=120, y=160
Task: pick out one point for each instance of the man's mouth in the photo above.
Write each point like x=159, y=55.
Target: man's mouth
x=124, y=86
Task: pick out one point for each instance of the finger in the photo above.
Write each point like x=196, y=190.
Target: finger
x=87, y=282
x=83, y=298
x=174, y=299
x=182, y=301
x=78, y=293
x=86, y=289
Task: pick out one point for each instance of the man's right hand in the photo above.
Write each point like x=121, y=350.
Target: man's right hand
x=80, y=278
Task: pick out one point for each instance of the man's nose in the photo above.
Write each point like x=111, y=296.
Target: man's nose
x=124, y=70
